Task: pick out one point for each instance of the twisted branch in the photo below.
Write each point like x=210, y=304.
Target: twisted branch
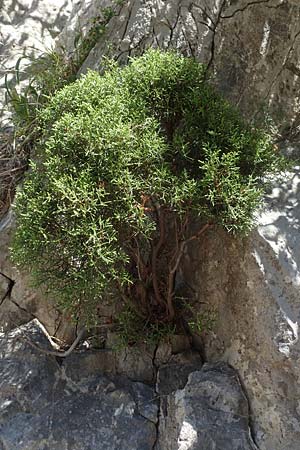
x=177, y=257
x=155, y=253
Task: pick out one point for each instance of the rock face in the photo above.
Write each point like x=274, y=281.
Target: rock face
x=210, y=412
x=44, y=408
x=253, y=287
x=252, y=47
x=27, y=28
x=49, y=406
x=23, y=302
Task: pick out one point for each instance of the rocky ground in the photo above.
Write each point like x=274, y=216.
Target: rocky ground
x=74, y=404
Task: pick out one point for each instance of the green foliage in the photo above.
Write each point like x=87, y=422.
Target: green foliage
x=50, y=72
x=132, y=330
x=201, y=321
x=126, y=161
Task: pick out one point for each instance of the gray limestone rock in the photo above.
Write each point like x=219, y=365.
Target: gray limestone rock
x=25, y=302
x=252, y=47
x=253, y=287
x=210, y=413
x=174, y=374
x=27, y=28
x=41, y=407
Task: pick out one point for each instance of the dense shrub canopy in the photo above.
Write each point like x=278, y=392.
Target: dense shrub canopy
x=123, y=155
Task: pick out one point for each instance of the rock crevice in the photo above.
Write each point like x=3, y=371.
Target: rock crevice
x=47, y=405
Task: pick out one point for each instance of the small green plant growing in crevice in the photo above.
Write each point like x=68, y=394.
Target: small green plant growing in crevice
x=202, y=321
x=45, y=75
x=131, y=329
x=127, y=161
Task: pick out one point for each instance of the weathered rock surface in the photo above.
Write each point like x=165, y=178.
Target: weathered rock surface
x=45, y=405
x=210, y=412
x=134, y=363
x=251, y=46
x=42, y=407
x=173, y=374
x=28, y=27
x=253, y=287
x=23, y=302
x=173, y=357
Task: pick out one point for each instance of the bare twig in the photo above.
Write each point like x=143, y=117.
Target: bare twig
x=59, y=353
x=197, y=235
x=141, y=265
x=177, y=257
x=155, y=252
x=11, y=171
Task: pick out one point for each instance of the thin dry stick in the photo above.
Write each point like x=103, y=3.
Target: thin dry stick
x=178, y=256
x=141, y=265
x=57, y=353
x=67, y=352
x=155, y=252
x=9, y=172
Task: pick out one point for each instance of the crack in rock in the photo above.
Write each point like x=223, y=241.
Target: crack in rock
x=248, y=5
